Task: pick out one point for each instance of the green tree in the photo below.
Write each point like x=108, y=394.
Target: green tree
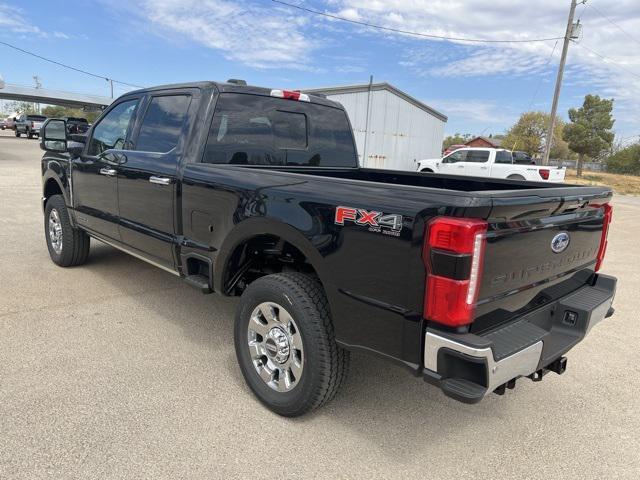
x=57, y=111
x=625, y=160
x=529, y=135
x=589, y=132
x=455, y=139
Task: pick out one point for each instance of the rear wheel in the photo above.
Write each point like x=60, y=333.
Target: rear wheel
x=285, y=344
x=29, y=133
x=67, y=246
x=17, y=133
x=515, y=177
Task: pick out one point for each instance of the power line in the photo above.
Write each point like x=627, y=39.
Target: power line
x=407, y=32
x=68, y=66
x=609, y=60
x=614, y=24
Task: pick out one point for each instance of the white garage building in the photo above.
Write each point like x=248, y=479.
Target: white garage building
x=392, y=129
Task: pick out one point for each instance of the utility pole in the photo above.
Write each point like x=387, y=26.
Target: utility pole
x=556, y=93
x=365, y=153
x=111, y=85
x=38, y=83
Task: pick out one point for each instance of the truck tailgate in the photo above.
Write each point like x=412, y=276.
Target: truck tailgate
x=557, y=174
x=538, y=249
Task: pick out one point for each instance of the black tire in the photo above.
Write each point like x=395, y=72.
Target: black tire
x=75, y=242
x=29, y=133
x=426, y=170
x=325, y=364
x=17, y=133
x=515, y=177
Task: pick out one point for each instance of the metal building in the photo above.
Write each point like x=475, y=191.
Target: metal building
x=392, y=129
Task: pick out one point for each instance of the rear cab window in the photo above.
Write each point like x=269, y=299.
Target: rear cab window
x=259, y=130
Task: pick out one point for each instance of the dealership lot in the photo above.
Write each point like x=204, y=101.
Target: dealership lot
x=118, y=370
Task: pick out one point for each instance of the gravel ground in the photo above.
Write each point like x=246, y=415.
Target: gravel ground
x=119, y=370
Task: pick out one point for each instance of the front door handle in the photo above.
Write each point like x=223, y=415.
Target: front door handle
x=109, y=172
x=160, y=180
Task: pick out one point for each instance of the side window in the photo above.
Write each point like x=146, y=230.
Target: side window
x=162, y=123
x=502, y=156
x=111, y=132
x=457, y=156
x=478, y=156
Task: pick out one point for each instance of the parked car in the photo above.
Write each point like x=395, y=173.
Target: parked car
x=10, y=123
x=489, y=162
x=523, y=158
x=469, y=283
x=29, y=125
x=453, y=148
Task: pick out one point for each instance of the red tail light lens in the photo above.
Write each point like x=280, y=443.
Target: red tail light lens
x=544, y=173
x=606, y=221
x=32, y=125
x=451, y=300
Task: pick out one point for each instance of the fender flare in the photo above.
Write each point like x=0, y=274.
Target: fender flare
x=51, y=175
x=257, y=226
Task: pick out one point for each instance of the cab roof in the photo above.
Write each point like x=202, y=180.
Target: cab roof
x=225, y=87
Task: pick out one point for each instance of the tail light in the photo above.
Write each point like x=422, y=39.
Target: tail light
x=290, y=95
x=544, y=173
x=453, y=255
x=32, y=125
x=606, y=221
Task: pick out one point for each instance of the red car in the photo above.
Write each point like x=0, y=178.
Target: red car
x=452, y=148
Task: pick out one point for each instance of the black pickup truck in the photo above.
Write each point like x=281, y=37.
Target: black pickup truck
x=470, y=283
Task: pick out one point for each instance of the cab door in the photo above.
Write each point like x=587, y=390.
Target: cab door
x=477, y=163
x=94, y=187
x=147, y=181
x=454, y=163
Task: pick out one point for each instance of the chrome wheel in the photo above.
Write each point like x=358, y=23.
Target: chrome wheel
x=275, y=346
x=55, y=231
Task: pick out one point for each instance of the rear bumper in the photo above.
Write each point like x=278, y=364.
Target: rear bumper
x=468, y=367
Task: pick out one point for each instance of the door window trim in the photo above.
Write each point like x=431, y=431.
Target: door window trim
x=145, y=103
x=132, y=120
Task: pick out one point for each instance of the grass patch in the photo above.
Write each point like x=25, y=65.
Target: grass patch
x=622, y=184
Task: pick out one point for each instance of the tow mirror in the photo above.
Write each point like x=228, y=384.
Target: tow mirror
x=54, y=136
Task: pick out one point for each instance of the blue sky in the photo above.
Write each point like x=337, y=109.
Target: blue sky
x=482, y=88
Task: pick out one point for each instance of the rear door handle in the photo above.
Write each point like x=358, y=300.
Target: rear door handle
x=160, y=180
x=109, y=172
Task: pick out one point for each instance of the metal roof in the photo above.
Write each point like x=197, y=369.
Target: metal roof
x=364, y=87
x=43, y=95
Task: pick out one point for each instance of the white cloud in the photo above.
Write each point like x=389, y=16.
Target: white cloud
x=618, y=77
x=13, y=21
x=245, y=32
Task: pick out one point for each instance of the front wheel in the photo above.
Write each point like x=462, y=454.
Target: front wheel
x=285, y=344
x=67, y=246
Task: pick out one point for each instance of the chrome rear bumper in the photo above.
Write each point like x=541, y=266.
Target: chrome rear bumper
x=468, y=367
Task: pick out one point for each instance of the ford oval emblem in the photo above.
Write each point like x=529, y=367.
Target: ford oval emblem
x=560, y=242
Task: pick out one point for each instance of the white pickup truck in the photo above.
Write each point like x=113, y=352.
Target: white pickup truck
x=489, y=162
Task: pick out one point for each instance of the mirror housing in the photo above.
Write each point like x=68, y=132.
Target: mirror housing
x=53, y=135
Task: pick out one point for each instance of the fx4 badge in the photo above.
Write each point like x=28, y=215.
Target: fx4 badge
x=388, y=224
